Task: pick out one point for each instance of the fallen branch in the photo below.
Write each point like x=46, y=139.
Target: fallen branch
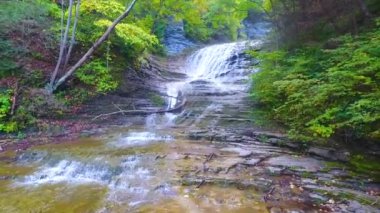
x=266, y=197
x=209, y=157
x=142, y=112
x=14, y=99
x=200, y=184
x=245, y=164
x=160, y=157
x=258, y=162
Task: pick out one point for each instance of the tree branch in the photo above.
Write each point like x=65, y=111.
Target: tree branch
x=94, y=47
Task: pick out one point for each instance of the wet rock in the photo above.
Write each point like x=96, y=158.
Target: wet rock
x=220, y=137
x=200, y=82
x=233, y=139
x=246, y=138
x=275, y=141
x=355, y=206
x=309, y=181
x=252, y=162
x=246, y=133
x=297, y=163
x=339, y=172
x=273, y=170
x=175, y=40
x=197, y=134
x=275, y=210
x=282, y=143
x=318, y=197
x=224, y=164
x=240, y=151
x=268, y=135
x=255, y=30
x=330, y=154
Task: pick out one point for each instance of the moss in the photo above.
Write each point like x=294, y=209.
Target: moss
x=366, y=165
x=157, y=100
x=332, y=165
x=263, y=138
x=306, y=175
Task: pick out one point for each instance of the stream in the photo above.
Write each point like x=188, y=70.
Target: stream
x=201, y=159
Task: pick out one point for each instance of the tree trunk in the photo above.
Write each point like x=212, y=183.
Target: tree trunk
x=364, y=8
x=95, y=46
x=62, y=48
x=72, y=41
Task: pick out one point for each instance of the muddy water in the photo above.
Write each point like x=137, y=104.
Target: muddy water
x=196, y=160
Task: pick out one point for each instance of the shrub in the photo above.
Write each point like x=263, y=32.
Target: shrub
x=97, y=74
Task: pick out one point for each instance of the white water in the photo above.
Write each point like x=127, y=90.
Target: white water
x=221, y=65
x=134, y=139
x=211, y=62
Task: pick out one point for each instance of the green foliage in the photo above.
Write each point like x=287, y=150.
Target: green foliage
x=34, y=78
x=7, y=54
x=225, y=16
x=128, y=43
x=13, y=12
x=101, y=9
x=5, y=104
x=157, y=99
x=74, y=96
x=97, y=74
x=5, y=109
x=131, y=39
x=366, y=165
x=321, y=93
x=203, y=19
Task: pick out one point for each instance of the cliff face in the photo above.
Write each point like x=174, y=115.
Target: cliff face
x=175, y=40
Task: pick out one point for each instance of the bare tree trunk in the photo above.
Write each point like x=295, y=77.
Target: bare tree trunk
x=62, y=17
x=62, y=48
x=72, y=41
x=95, y=46
x=364, y=8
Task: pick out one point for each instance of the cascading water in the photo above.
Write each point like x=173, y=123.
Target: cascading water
x=214, y=61
x=220, y=69
x=224, y=65
x=131, y=167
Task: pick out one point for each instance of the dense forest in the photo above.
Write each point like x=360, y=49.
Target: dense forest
x=320, y=74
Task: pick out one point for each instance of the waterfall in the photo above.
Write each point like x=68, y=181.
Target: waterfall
x=220, y=68
x=216, y=61
x=222, y=64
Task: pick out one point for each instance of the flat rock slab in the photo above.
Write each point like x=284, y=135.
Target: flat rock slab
x=224, y=163
x=239, y=151
x=304, y=164
x=251, y=162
